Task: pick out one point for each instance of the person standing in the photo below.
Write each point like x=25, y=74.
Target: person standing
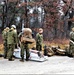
x=26, y=39
x=4, y=35
x=11, y=40
x=15, y=31
x=39, y=39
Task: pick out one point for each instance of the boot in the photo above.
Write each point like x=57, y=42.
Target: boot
x=10, y=59
x=21, y=60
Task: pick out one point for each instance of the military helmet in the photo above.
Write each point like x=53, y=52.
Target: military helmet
x=13, y=26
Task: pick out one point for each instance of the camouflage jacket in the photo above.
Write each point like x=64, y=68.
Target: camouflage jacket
x=12, y=37
x=39, y=38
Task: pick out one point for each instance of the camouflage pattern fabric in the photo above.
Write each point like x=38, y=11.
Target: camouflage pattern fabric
x=39, y=41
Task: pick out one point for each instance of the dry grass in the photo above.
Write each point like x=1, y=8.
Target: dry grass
x=61, y=43
x=1, y=48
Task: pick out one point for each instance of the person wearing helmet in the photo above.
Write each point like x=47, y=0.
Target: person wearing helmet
x=11, y=41
x=4, y=35
x=39, y=39
x=15, y=31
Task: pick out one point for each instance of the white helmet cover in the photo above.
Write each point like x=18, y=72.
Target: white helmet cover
x=13, y=26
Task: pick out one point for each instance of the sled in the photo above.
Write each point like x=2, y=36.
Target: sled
x=34, y=55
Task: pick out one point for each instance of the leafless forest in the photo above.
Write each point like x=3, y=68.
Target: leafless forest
x=51, y=15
